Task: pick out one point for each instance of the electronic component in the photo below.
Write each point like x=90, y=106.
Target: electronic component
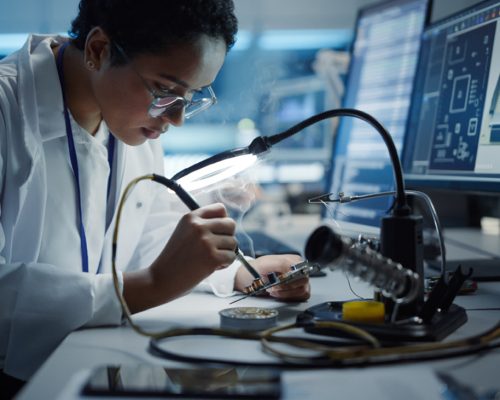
x=260, y=285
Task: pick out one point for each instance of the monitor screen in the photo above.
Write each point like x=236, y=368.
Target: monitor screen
x=303, y=157
x=290, y=102
x=380, y=82
x=453, y=139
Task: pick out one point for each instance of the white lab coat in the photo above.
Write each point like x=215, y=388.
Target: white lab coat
x=41, y=303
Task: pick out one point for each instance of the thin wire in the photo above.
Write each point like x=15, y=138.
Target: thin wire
x=331, y=212
x=437, y=225
x=350, y=287
x=125, y=310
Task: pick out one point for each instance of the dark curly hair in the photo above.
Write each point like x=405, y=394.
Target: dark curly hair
x=149, y=26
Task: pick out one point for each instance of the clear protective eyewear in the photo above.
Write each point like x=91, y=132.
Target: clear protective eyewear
x=164, y=103
x=170, y=102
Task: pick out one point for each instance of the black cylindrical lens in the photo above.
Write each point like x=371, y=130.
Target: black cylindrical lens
x=324, y=246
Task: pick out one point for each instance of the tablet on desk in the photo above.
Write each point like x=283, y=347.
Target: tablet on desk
x=145, y=380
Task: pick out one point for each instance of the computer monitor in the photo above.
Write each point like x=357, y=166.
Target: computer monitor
x=303, y=157
x=380, y=82
x=290, y=102
x=453, y=139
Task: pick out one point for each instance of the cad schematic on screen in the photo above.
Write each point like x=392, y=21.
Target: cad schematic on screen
x=459, y=118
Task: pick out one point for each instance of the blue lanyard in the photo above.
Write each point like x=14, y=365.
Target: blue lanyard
x=74, y=163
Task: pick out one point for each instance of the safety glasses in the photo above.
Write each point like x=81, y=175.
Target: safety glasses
x=165, y=103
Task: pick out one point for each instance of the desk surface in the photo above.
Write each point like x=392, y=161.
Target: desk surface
x=63, y=373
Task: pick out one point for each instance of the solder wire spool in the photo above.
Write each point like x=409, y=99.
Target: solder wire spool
x=248, y=318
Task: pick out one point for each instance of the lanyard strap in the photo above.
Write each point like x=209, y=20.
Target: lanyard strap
x=74, y=162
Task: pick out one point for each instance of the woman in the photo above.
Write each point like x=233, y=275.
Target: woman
x=79, y=119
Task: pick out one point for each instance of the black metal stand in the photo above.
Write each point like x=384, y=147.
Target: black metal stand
x=437, y=328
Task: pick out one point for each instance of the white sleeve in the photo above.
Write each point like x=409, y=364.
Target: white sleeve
x=40, y=303
x=221, y=282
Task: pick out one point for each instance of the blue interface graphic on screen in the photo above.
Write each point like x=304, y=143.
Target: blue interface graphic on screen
x=293, y=109
x=380, y=83
x=454, y=131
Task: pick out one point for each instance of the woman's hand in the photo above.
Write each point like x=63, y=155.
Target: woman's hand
x=298, y=290
x=202, y=242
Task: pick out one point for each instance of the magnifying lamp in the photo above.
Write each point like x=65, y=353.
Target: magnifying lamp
x=229, y=163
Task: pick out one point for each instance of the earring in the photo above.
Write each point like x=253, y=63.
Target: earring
x=90, y=65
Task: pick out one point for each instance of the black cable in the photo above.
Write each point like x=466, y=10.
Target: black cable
x=317, y=363
x=186, y=198
x=476, y=344
x=401, y=203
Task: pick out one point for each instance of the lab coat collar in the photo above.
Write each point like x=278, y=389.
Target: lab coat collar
x=27, y=101
x=48, y=88
x=38, y=75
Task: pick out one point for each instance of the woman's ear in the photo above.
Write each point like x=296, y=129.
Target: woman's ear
x=97, y=48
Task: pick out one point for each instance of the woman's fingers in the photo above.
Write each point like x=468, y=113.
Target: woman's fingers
x=295, y=290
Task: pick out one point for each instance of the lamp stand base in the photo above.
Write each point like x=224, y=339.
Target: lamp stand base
x=441, y=325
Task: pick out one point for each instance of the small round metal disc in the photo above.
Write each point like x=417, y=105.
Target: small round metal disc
x=248, y=318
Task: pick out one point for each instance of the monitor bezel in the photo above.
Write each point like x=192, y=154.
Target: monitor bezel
x=463, y=184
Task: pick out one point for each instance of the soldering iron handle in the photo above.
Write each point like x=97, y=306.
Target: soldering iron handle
x=186, y=198
x=191, y=203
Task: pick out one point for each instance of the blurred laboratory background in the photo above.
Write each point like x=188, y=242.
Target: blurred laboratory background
x=290, y=62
